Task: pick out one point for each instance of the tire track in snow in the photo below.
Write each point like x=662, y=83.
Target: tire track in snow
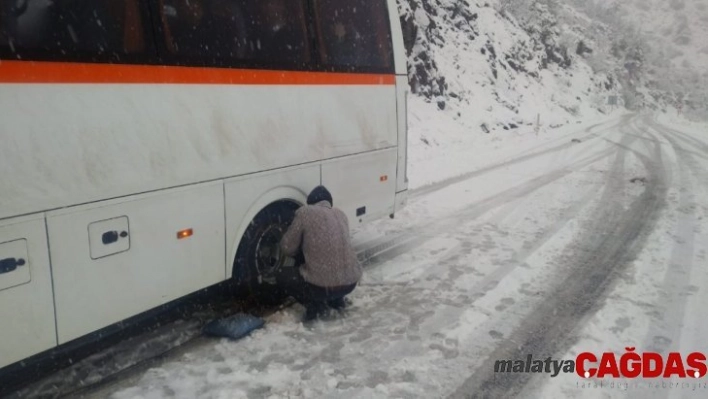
x=697, y=144
x=614, y=238
x=686, y=151
x=377, y=246
x=519, y=159
x=458, y=301
x=664, y=333
x=492, y=279
x=464, y=299
x=670, y=134
x=411, y=238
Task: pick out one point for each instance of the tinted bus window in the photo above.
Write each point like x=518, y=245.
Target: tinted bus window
x=71, y=29
x=354, y=33
x=265, y=32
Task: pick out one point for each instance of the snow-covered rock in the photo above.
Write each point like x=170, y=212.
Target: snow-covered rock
x=492, y=71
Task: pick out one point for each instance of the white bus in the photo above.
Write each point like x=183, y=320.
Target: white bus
x=152, y=148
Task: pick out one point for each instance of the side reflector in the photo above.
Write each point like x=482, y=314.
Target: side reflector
x=383, y=178
x=184, y=233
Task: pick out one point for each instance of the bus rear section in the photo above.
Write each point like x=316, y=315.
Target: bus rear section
x=144, y=141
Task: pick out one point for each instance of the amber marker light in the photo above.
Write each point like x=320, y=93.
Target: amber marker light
x=186, y=233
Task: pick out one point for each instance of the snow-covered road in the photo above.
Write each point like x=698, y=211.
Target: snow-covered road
x=594, y=241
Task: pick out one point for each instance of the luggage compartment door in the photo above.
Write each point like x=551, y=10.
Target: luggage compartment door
x=115, y=259
x=26, y=301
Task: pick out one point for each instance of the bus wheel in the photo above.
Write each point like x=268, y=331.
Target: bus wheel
x=258, y=257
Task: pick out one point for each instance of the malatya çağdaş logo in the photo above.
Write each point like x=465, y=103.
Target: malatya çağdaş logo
x=609, y=365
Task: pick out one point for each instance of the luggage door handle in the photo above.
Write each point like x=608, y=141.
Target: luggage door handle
x=8, y=265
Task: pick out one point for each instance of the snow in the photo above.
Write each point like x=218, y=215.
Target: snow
x=421, y=18
x=456, y=146
x=695, y=129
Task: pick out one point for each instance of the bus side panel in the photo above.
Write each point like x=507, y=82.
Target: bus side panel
x=248, y=195
x=116, y=259
x=26, y=307
x=364, y=185
x=95, y=142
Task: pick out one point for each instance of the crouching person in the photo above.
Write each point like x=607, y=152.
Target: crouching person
x=331, y=269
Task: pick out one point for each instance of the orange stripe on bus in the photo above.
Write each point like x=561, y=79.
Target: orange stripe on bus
x=65, y=72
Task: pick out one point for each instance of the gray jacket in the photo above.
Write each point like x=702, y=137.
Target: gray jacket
x=323, y=232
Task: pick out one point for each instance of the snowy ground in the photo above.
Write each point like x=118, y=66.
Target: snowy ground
x=544, y=248
x=442, y=146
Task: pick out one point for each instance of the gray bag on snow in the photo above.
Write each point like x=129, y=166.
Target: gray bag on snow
x=233, y=327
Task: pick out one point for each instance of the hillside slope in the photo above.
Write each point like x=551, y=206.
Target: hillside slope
x=677, y=28
x=479, y=80
x=664, y=43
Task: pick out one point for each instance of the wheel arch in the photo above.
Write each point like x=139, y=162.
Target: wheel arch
x=269, y=198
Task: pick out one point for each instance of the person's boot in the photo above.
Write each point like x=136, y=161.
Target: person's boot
x=338, y=304
x=314, y=311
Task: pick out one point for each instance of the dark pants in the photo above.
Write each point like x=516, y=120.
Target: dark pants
x=291, y=281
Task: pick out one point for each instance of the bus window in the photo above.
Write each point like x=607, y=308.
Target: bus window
x=280, y=34
x=87, y=30
x=224, y=32
x=354, y=34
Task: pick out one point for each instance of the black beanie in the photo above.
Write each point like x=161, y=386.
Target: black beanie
x=319, y=193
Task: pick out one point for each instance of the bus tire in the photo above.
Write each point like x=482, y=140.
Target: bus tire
x=258, y=255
